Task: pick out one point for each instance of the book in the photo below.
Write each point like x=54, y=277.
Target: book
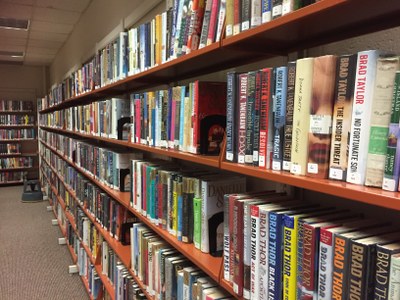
x=380, y=118
x=250, y=104
x=394, y=286
x=242, y=111
x=301, y=115
x=382, y=267
x=256, y=129
x=245, y=15
x=391, y=172
x=319, y=137
x=266, y=11
x=231, y=112
x=229, y=18
x=360, y=126
x=279, y=111
x=287, y=142
x=212, y=191
x=342, y=109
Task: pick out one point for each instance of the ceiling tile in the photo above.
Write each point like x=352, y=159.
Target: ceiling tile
x=51, y=44
x=51, y=27
x=41, y=50
x=12, y=10
x=9, y=33
x=38, y=59
x=71, y=5
x=11, y=41
x=24, y=2
x=55, y=16
x=40, y=35
x=4, y=47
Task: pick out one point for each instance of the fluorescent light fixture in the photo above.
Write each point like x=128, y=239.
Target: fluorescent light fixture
x=13, y=54
x=16, y=24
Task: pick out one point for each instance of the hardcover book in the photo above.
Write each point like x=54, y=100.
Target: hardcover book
x=343, y=103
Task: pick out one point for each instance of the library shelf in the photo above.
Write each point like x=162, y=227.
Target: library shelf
x=17, y=154
x=19, y=169
x=16, y=182
x=2, y=126
x=209, y=264
x=17, y=140
x=369, y=195
x=12, y=112
x=207, y=160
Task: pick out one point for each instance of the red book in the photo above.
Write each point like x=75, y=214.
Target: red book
x=213, y=22
x=137, y=121
x=266, y=101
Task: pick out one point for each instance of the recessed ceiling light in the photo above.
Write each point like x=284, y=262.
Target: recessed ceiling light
x=13, y=54
x=16, y=24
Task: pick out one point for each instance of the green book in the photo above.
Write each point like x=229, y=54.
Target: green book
x=197, y=222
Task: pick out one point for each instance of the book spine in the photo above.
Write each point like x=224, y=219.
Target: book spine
x=380, y=118
x=325, y=265
x=243, y=82
x=301, y=115
x=340, y=267
x=261, y=268
x=382, y=275
x=392, y=159
x=206, y=23
x=275, y=225
x=276, y=8
x=289, y=257
x=287, y=6
x=343, y=102
x=300, y=255
x=321, y=116
x=229, y=18
x=279, y=110
x=245, y=15
x=197, y=222
x=310, y=264
x=266, y=11
x=287, y=142
x=253, y=254
x=247, y=249
x=358, y=270
x=230, y=117
x=256, y=131
x=251, y=86
x=264, y=115
x=226, y=238
x=255, y=17
x=362, y=102
x=394, y=286
x=213, y=22
x=237, y=233
x=237, y=16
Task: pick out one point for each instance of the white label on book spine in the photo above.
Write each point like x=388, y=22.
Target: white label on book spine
x=276, y=165
x=321, y=124
x=312, y=168
x=255, y=155
x=277, y=10
x=245, y=25
x=295, y=169
x=286, y=165
x=261, y=161
x=388, y=184
x=229, y=156
x=335, y=173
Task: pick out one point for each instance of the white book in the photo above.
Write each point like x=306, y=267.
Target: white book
x=164, y=37
x=139, y=186
x=122, y=67
x=394, y=281
x=221, y=20
x=105, y=258
x=255, y=17
x=360, y=124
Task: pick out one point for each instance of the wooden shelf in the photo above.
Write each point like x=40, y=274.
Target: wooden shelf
x=370, y=195
x=207, y=160
x=19, y=169
x=11, y=183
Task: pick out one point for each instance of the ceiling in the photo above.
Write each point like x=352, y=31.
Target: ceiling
x=51, y=22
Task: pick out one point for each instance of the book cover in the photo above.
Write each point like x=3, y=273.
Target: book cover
x=301, y=115
x=255, y=13
x=287, y=141
x=360, y=126
x=212, y=28
x=187, y=209
x=343, y=103
x=196, y=22
x=242, y=124
x=231, y=112
x=382, y=267
x=229, y=18
x=212, y=192
x=392, y=160
x=256, y=130
x=380, y=118
x=245, y=15
x=237, y=16
x=206, y=23
x=276, y=8
x=319, y=136
x=279, y=111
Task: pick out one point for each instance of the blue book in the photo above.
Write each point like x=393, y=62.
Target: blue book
x=279, y=111
x=179, y=294
x=142, y=42
x=266, y=11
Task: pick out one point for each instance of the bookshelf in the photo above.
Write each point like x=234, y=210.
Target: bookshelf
x=293, y=32
x=18, y=143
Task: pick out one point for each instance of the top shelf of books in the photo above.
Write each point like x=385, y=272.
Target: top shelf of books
x=319, y=23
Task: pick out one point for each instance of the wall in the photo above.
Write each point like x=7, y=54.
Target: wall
x=22, y=82
x=100, y=19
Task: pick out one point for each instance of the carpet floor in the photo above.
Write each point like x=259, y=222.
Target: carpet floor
x=32, y=263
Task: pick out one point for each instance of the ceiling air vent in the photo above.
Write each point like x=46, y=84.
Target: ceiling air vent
x=12, y=53
x=10, y=23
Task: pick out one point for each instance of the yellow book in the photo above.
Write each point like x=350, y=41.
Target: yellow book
x=301, y=115
x=158, y=39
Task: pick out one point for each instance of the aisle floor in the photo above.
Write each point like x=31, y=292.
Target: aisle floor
x=32, y=263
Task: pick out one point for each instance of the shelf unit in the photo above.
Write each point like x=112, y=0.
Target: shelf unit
x=336, y=19
x=28, y=146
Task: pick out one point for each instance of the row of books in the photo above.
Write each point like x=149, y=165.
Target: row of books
x=184, y=26
x=14, y=148
x=276, y=247
x=15, y=105
x=185, y=202
x=9, y=134
x=17, y=119
x=322, y=117
x=165, y=272
x=16, y=162
x=188, y=118
x=245, y=14
x=6, y=177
